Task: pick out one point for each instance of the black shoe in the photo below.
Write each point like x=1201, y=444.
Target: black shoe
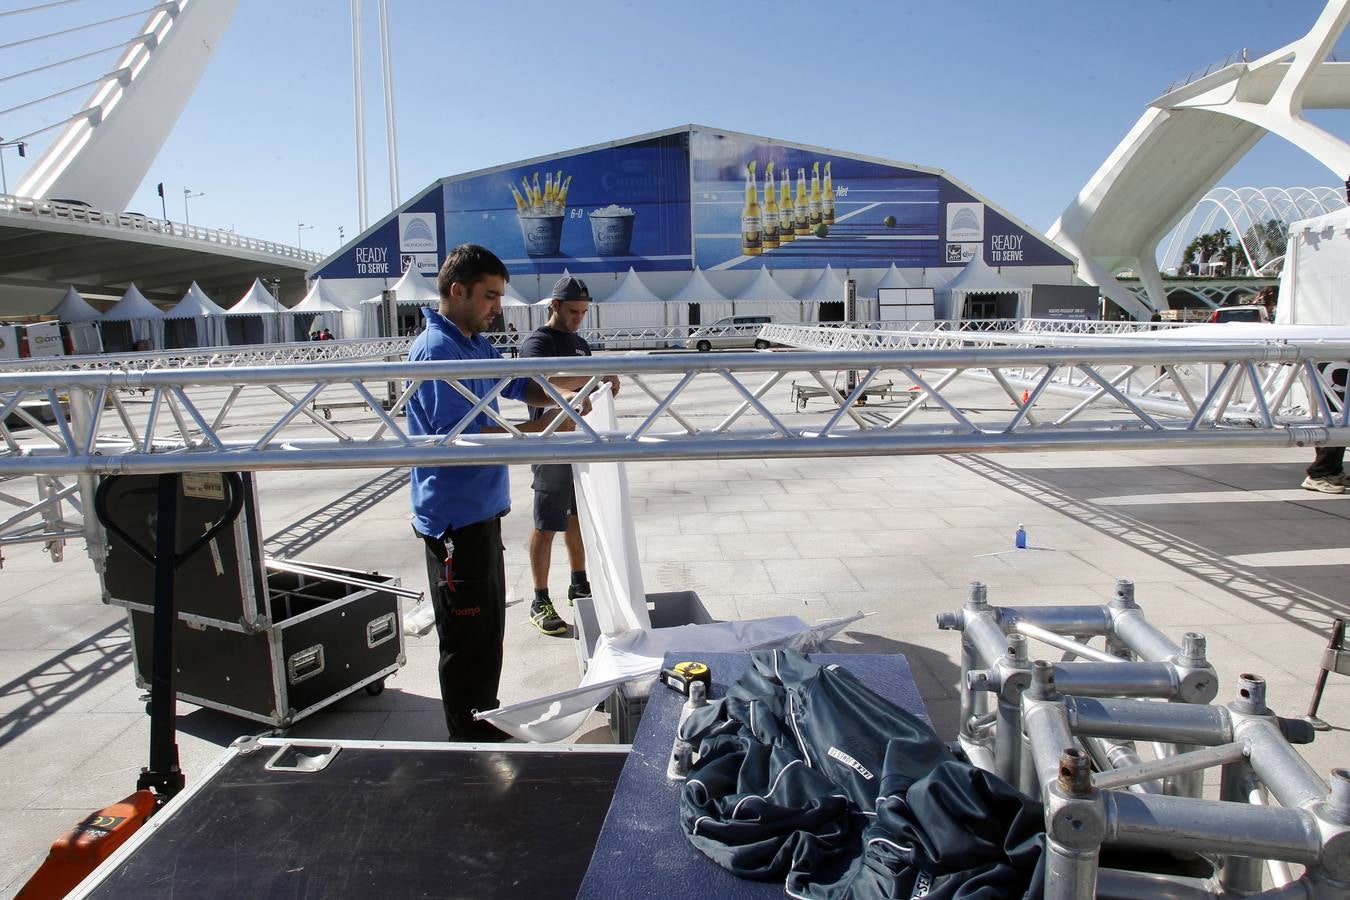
x=544, y=617
x=479, y=732
x=578, y=592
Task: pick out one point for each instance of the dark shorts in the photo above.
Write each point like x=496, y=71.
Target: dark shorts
x=554, y=504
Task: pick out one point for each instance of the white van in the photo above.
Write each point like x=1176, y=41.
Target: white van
x=729, y=332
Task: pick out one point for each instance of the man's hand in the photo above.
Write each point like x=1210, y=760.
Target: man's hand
x=613, y=382
x=583, y=407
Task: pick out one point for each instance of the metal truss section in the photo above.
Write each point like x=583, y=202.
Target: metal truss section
x=1238, y=393
x=221, y=357
x=944, y=333
x=1071, y=731
x=195, y=419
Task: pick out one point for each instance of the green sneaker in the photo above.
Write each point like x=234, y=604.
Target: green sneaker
x=544, y=617
x=578, y=591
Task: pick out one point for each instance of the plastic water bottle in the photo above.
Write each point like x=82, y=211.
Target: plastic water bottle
x=1020, y=539
x=420, y=619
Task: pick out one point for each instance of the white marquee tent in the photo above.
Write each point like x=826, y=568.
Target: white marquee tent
x=632, y=305
x=516, y=309
x=316, y=311
x=195, y=321
x=143, y=324
x=891, y=280
x=698, y=291
x=1316, y=274
x=257, y=318
x=411, y=292
x=978, y=279
x=74, y=308
x=764, y=296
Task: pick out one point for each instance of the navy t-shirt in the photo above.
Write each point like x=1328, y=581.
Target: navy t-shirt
x=546, y=341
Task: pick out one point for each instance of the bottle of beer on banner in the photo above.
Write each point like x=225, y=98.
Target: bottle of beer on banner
x=815, y=206
x=549, y=188
x=770, y=238
x=786, y=232
x=520, y=201
x=562, y=193
x=828, y=211
x=751, y=229
x=537, y=196
x=801, y=211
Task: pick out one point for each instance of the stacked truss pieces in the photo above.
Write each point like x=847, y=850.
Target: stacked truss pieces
x=1045, y=726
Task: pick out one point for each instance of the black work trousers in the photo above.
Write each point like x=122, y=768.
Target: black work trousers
x=1329, y=461
x=470, y=618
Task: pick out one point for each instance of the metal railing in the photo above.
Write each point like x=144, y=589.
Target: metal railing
x=57, y=211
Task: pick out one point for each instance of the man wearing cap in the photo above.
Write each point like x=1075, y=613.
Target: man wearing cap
x=555, y=503
x=457, y=510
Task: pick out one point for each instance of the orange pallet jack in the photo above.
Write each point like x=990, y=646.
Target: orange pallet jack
x=78, y=852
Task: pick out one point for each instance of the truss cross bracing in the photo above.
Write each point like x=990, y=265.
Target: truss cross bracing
x=973, y=395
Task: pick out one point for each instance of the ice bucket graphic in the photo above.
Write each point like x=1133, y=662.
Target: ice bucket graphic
x=612, y=230
x=542, y=233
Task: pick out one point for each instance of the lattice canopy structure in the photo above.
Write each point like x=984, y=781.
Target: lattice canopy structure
x=1257, y=219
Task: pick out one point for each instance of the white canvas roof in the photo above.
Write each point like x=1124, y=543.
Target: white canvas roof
x=317, y=300
x=74, y=308
x=632, y=290
x=512, y=297
x=194, y=303
x=413, y=286
x=978, y=278
x=255, y=302
x=131, y=307
x=764, y=288
x=697, y=289
x=829, y=286
x=893, y=279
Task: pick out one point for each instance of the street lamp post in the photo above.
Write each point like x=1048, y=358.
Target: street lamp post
x=300, y=229
x=188, y=195
x=23, y=151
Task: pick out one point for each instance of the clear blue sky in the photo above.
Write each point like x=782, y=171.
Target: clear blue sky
x=1020, y=101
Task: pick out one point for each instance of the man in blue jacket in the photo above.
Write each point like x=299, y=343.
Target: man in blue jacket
x=457, y=510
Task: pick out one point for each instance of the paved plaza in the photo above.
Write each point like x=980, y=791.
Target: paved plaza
x=1221, y=542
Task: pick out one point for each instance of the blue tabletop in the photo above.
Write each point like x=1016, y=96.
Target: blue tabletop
x=642, y=851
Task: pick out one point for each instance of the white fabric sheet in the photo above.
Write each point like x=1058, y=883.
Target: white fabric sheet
x=607, y=531
x=629, y=649
x=636, y=656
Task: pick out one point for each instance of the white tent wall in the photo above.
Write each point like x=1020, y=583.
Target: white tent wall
x=142, y=325
x=1315, y=282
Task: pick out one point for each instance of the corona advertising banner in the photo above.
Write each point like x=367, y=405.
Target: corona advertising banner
x=694, y=196
x=598, y=211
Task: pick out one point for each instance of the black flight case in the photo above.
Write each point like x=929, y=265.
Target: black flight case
x=272, y=646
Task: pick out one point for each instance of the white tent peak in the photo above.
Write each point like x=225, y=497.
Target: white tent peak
x=697, y=289
x=133, y=305
x=318, y=300
x=978, y=278
x=893, y=279
x=632, y=289
x=414, y=286
x=764, y=288
x=256, y=301
x=829, y=286
x=194, y=303
x=74, y=308
x=512, y=297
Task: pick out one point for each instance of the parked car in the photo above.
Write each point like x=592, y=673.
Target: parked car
x=1239, y=314
x=729, y=332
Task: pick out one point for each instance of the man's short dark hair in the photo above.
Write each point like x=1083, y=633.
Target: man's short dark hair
x=468, y=264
